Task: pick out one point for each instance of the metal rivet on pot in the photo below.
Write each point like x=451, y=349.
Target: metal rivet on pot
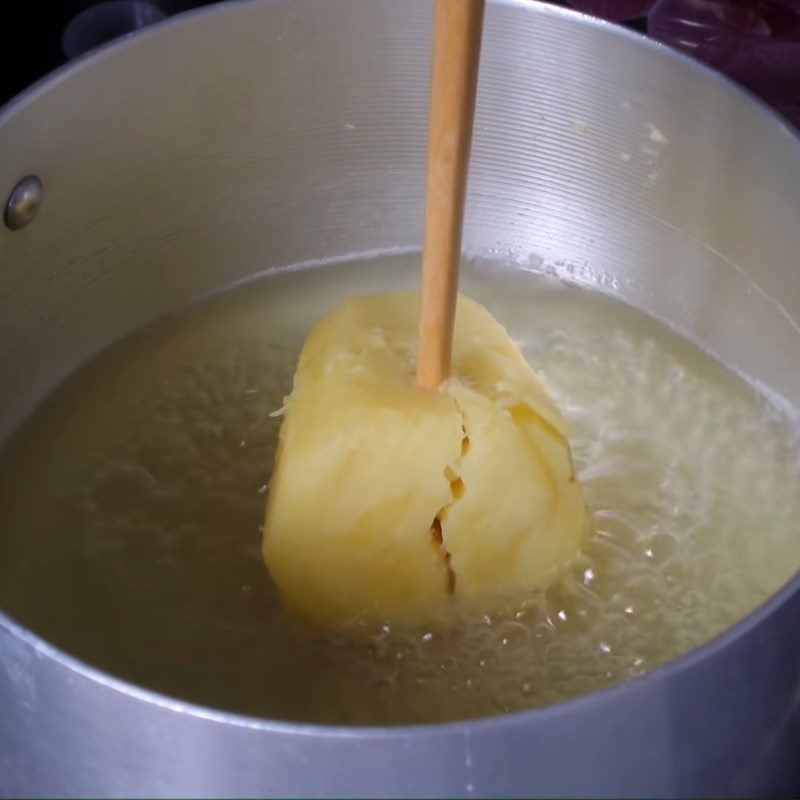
x=23, y=203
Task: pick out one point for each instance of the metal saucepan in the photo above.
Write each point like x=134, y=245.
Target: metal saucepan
x=254, y=135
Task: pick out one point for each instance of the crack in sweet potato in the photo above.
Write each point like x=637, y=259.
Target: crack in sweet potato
x=457, y=489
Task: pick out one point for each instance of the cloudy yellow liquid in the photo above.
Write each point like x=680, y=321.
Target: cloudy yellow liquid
x=131, y=504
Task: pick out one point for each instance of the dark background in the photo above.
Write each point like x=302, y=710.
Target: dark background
x=31, y=36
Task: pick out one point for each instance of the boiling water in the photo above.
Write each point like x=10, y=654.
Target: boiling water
x=132, y=503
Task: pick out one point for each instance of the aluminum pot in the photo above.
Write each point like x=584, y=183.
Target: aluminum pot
x=254, y=135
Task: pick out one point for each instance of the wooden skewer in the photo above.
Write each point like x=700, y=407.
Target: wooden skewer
x=454, y=78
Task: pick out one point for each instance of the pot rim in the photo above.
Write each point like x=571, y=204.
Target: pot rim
x=671, y=668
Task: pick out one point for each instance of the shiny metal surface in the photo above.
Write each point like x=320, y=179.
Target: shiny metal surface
x=259, y=134
x=23, y=203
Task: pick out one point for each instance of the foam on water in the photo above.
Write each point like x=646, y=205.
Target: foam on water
x=132, y=503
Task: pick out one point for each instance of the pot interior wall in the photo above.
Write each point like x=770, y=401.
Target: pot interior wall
x=267, y=134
